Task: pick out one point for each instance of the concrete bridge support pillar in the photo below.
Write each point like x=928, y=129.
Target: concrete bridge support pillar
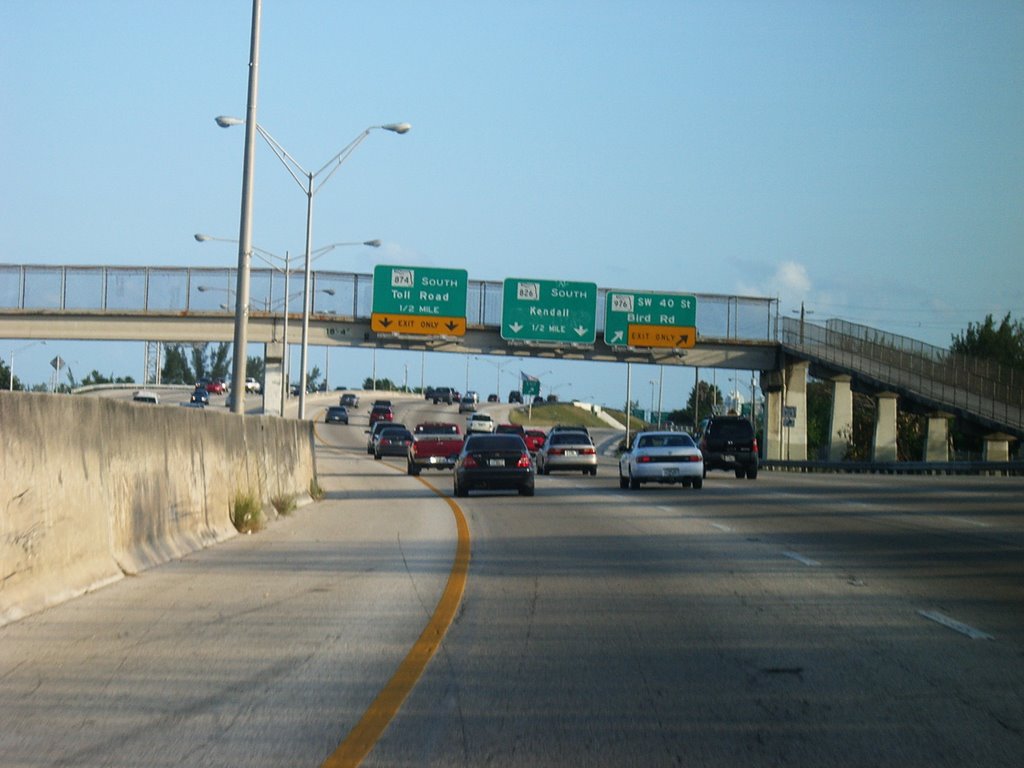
x=885, y=428
x=772, y=448
x=273, y=377
x=796, y=397
x=997, y=447
x=936, y=444
x=841, y=425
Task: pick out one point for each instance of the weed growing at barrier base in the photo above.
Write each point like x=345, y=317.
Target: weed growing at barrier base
x=246, y=514
x=315, y=491
x=284, y=504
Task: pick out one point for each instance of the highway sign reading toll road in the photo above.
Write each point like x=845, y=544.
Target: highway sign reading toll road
x=549, y=311
x=419, y=300
x=638, y=319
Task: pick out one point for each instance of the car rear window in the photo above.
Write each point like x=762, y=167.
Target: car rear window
x=731, y=430
x=666, y=441
x=563, y=438
x=496, y=443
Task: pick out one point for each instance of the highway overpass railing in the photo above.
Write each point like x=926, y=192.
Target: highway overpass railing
x=948, y=380
x=345, y=294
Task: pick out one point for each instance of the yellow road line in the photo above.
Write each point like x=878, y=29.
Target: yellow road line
x=364, y=736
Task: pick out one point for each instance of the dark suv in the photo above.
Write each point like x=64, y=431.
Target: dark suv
x=728, y=442
x=443, y=395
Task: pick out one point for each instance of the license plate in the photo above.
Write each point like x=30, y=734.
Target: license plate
x=670, y=471
x=571, y=453
x=728, y=457
x=495, y=462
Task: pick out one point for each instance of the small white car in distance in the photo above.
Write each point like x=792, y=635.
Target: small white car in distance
x=480, y=422
x=661, y=457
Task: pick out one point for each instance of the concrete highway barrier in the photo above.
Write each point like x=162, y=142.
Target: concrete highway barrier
x=92, y=489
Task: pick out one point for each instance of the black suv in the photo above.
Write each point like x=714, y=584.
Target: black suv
x=728, y=442
x=515, y=396
x=444, y=395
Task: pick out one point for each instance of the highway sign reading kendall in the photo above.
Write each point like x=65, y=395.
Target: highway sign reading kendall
x=549, y=311
x=419, y=300
x=637, y=319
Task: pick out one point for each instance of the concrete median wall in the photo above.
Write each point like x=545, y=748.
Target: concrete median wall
x=93, y=488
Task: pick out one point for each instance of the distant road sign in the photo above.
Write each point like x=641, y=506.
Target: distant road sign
x=640, y=319
x=419, y=300
x=531, y=387
x=549, y=311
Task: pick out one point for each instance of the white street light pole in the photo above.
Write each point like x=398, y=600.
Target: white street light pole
x=10, y=384
x=307, y=182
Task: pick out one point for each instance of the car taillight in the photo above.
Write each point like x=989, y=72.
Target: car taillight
x=643, y=459
x=469, y=461
x=555, y=452
x=754, y=449
x=694, y=458
x=588, y=451
x=524, y=460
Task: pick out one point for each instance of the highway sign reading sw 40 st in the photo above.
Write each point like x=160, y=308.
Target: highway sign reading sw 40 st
x=419, y=300
x=639, y=319
x=549, y=311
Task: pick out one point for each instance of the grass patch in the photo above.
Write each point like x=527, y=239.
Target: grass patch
x=315, y=491
x=247, y=513
x=557, y=413
x=284, y=504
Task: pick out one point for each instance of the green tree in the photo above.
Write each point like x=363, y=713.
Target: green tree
x=176, y=369
x=97, y=378
x=1002, y=343
x=704, y=397
x=5, y=378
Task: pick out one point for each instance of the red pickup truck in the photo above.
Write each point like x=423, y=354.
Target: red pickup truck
x=435, y=445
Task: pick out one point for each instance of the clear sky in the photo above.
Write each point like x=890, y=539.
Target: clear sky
x=864, y=158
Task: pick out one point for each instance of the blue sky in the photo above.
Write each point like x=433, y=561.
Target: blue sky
x=864, y=158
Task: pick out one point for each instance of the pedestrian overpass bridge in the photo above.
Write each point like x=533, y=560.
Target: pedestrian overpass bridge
x=185, y=305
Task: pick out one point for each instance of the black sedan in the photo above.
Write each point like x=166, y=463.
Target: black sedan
x=393, y=441
x=337, y=414
x=494, y=462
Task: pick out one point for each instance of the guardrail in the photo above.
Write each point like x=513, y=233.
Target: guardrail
x=345, y=294
x=1003, y=468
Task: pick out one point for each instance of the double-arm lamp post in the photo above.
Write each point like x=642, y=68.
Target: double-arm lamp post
x=307, y=182
x=269, y=259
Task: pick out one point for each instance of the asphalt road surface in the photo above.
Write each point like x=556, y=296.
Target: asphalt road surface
x=793, y=620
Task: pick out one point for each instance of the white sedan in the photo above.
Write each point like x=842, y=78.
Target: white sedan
x=661, y=457
x=480, y=422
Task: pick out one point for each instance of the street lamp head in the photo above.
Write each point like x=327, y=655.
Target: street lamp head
x=226, y=122
x=201, y=238
x=394, y=127
x=328, y=291
x=372, y=243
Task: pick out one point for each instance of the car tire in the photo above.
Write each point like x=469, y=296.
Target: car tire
x=412, y=468
x=752, y=473
x=698, y=483
x=526, y=490
x=461, y=492
x=634, y=484
x=376, y=457
x=593, y=471
x=623, y=481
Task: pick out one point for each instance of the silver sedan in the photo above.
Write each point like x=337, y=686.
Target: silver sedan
x=661, y=457
x=567, y=450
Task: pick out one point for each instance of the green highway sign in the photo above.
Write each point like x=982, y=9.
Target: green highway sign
x=642, y=319
x=419, y=300
x=531, y=387
x=549, y=311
